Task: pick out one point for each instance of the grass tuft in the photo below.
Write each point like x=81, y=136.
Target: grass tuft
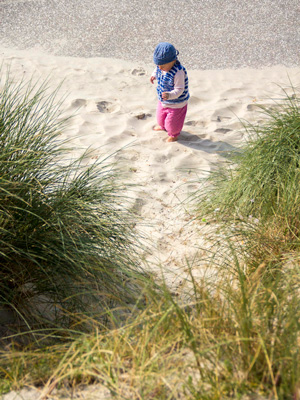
x=66, y=239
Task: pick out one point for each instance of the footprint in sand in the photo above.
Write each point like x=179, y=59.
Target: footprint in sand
x=142, y=115
x=77, y=103
x=138, y=71
x=162, y=159
x=138, y=205
x=224, y=114
x=203, y=124
x=235, y=124
x=261, y=107
x=107, y=107
x=222, y=130
x=133, y=156
x=253, y=107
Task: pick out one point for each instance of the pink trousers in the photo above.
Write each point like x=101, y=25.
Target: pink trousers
x=171, y=119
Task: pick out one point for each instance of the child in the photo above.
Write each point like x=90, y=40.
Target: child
x=172, y=90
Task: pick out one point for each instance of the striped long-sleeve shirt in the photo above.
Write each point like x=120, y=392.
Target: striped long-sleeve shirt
x=173, y=82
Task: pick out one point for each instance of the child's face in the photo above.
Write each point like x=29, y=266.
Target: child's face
x=167, y=67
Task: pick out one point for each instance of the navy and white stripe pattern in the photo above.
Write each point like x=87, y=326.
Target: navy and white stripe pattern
x=165, y=83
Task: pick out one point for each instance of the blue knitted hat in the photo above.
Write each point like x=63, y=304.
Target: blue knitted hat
x=164, y=53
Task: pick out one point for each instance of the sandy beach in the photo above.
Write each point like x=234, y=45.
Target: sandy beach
x=238, y=55
x=115, y=105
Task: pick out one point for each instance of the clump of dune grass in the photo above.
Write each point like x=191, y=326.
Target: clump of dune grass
x=251, y=203
x=265, y=170
x=67, y=243
x=255, y=194
x=236, y=336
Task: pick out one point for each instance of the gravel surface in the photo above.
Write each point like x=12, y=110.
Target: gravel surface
x=210, y=34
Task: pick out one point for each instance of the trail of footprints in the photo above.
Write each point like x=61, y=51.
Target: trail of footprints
x=205, y=116
x=204, y=121
x=207, y=130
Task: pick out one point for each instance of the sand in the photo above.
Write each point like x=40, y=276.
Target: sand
x=115, y=105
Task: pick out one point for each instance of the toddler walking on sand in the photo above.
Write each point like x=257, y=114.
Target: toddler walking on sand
x=172, y=90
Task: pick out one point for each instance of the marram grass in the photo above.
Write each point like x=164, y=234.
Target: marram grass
x=239, y=337
x=263, y=175
x=66, y=240
x=254, y=197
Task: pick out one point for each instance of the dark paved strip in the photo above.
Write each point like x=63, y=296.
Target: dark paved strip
x=210, y=34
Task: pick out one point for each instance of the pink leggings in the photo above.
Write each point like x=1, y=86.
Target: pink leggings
x=171, y=119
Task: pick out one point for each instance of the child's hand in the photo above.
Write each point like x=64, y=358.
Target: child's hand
x=152, y=79
x=165, y=95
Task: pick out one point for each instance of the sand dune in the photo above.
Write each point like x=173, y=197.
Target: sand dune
x=115, y=107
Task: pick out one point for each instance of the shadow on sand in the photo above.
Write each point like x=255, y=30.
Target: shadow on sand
x=196, y=142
